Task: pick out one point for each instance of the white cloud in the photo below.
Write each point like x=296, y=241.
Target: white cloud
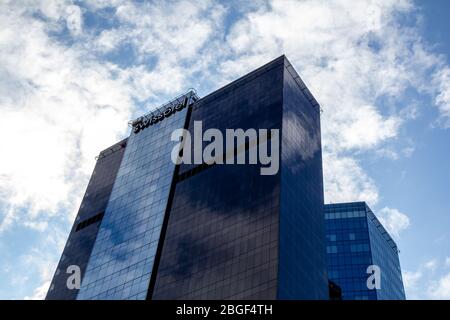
x=36, y=225
x=388, y=153
x=431, y=265
x=297, y=136
x=408, y=151
x=74, y=19
x=430, y=281
x=58, y=111
x=395, y=152
x=109, y=40
x=26, y=269
x=367, y=128
x=349, y=55
x=393, y=220
x=345, y=181
x=53, y=10
x=40, y=292
x=447, y=261
x=442, y=82
x=40, y=261
x=411, y=278
x=440, y=289
x=173, y=31
x=60, y=106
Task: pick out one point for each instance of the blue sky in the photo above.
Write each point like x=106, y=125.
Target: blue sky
x=73, y=73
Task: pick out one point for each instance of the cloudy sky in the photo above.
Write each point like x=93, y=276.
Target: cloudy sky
x=72, y=73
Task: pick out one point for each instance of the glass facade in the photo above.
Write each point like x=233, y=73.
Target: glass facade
x=222, y=234
x=199, y=231
x=235, y=234
x=355, y=240
x=302, y=256
x=122, y=258
x=385, y=255
x=84, y=231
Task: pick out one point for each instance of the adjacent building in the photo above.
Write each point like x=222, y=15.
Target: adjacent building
x=150, y=229
x=356, y=240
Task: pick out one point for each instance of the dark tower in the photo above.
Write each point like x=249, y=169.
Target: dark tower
x=84, y=231
x=199, y=231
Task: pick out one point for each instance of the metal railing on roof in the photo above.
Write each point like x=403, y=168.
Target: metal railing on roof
x=303, y=87
x=382, y=230
x=112, y=149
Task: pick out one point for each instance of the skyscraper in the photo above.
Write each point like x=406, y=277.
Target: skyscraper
x=202, y=230
x=356, y=240
x=235, y=234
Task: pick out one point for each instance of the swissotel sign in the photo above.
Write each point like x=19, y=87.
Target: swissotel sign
x=148, y=120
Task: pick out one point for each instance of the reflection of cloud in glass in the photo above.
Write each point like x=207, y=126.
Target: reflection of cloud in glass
x=298, y=142
x=217, y=238
x=122, y=258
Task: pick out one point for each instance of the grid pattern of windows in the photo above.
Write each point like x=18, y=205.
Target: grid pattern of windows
x=220, y=245
x=302, y=265
x=228, y=236
x=355, y=240
x=231, y=232
x=222, y=234
x=81, y=240
x=385, y=255
x=122, y=258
